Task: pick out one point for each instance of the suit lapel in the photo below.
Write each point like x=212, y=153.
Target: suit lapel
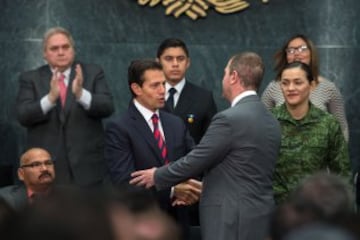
x=185, y=100
x=140, y=125
x=169, y=135
x=70, y=98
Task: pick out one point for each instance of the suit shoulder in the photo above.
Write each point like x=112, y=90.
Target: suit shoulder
x=89, y=66
x=199, y=90
x=35, y=70
x=117, y=119
x=10, y=190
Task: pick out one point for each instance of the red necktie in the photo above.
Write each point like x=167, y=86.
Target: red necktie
x=159, y=139
x=62, y=88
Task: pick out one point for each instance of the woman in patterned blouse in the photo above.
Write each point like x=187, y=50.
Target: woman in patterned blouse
x=325, y=94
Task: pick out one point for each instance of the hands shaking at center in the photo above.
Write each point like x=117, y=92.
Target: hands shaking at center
x=185, y=193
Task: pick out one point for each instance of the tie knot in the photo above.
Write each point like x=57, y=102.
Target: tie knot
x=155, y=118
x=172, y=91
x=61, y=77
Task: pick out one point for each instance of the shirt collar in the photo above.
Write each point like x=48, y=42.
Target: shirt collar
x=179, y=86
x=241, y=96
x=66, y=72
x=146, y=113
x=284, y=114
x=29, y=192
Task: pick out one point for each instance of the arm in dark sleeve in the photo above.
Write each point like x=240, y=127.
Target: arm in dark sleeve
x=28, y=106
x=118, y=153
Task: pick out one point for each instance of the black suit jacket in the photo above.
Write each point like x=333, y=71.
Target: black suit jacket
x=196, y=107
x=130, y=145
x=15, y=196
x=72, y=133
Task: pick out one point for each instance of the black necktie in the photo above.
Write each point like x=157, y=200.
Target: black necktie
x=170, y=100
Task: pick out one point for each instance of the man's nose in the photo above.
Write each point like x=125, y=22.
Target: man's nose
x=162, y=89
x=175, y=61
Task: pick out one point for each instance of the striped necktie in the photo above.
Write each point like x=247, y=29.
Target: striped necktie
x=159, y=139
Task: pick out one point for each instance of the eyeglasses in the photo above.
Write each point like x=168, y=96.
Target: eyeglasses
x=38, y=164
x=300, y=49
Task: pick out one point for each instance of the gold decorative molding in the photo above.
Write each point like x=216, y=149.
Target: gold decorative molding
x=197, y=8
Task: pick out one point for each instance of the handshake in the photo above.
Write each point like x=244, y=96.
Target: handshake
x=187, y=193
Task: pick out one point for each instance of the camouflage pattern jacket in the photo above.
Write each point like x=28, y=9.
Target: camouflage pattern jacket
x=311, y=144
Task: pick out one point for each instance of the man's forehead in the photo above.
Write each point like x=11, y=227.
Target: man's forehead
x=34, y=155
x=153, y=75
x=58, y=39
x=174, y=52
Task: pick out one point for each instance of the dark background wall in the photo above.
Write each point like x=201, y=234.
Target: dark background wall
x=113, y=32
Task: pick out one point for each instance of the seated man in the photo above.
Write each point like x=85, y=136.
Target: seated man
x=37, y=173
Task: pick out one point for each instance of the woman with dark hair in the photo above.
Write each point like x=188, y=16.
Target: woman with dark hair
x=324, y=94
x=311, y=139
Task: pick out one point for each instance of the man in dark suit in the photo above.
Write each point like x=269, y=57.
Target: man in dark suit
x=62, y=105
x=130, y=141
x=238, y=154
x=195, y=105
x=37, y=172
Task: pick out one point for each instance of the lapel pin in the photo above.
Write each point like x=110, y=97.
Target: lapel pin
x=190, y=118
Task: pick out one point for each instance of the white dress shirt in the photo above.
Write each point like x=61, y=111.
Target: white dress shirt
x=179, y=87
x=85, y=99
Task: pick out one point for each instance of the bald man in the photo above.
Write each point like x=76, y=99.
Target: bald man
x=37, y=173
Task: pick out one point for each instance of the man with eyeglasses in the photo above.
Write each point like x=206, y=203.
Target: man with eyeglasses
x=37, y=173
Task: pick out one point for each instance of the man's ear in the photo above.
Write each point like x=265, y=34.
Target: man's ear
x=20, y=173
x=188, y=63
x=136, y=89
x=234, y=77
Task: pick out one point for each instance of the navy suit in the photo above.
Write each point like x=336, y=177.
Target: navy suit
x=130, y=145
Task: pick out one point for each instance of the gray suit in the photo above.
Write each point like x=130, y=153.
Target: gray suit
x=237, y=155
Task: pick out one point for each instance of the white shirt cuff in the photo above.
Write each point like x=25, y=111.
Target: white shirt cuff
x=45, y=104
x=85, y=99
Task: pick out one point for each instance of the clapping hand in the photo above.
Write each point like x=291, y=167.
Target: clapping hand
x=77, y=84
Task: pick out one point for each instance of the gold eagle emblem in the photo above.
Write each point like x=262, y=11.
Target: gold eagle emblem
x=197, y=8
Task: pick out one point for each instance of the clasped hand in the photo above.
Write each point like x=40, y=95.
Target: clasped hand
x=185, y=193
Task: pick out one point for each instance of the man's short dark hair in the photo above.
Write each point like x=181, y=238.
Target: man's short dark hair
x=137, y=69
x=171, y=43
